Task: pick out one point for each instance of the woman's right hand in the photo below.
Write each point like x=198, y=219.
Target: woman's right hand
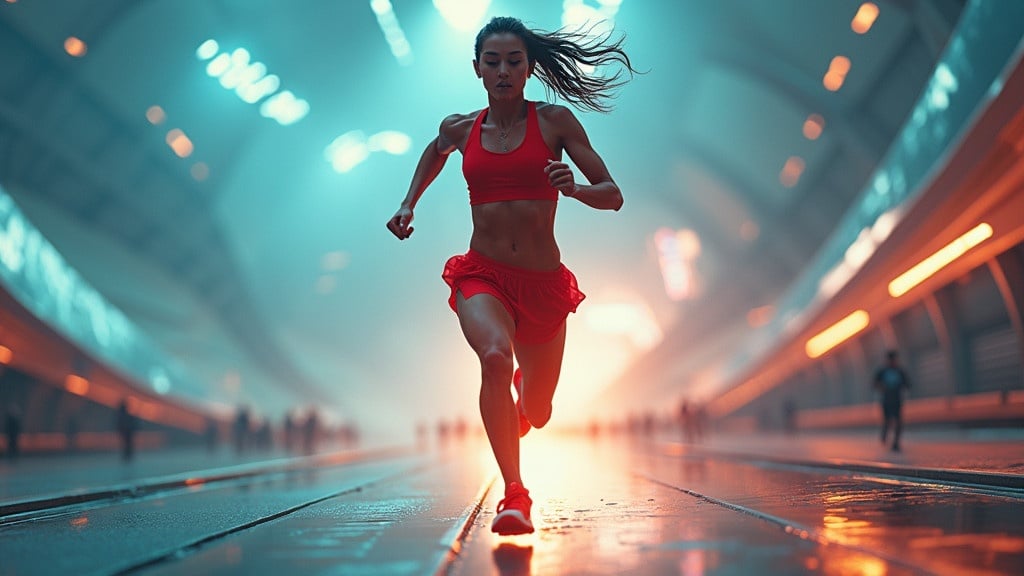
x=399, y=225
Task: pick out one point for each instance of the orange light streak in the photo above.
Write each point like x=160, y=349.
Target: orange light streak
x=940, y=259
x=837, y=333
x=76, y=384
x=6, y=355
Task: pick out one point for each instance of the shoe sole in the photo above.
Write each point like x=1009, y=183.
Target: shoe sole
x=511, y=522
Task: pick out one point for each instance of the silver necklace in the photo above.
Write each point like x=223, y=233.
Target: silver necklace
x=503, y=138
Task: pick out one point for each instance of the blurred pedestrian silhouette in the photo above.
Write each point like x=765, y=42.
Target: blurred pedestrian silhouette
x=210, y=434
x=126, y=425
x=789, y=416
x=12, y=429
x=891, y=381
x=241, y=429
x=309, y=431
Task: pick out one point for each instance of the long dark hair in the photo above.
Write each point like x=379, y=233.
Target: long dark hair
x=558, y=55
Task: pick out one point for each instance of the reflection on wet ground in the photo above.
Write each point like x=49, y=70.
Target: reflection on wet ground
x=611, y=505
x=618, y=507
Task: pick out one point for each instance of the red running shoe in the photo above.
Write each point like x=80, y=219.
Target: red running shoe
x=513, y=511
x=524, y=424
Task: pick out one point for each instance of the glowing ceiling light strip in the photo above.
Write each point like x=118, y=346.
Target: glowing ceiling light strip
x=388, y=23
x=939, y=260
x=837, y=333
x=250, y=81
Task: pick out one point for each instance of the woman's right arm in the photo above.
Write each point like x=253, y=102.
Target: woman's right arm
x=431, y=162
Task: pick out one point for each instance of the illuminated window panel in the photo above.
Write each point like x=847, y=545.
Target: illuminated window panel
x=837, y=333
x=865, y=18
x=940, y=259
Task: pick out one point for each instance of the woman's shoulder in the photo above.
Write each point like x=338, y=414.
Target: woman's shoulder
x=455, y=128
x=457, y=119
x=556, y=114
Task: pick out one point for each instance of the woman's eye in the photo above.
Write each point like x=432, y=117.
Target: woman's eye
x=515, y=63
x=491, y=63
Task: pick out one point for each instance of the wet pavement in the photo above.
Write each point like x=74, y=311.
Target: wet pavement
x=838, y=504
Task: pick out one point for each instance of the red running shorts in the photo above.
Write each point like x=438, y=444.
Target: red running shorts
x=538, y=300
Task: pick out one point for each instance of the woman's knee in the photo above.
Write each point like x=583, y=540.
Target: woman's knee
x=496, y=365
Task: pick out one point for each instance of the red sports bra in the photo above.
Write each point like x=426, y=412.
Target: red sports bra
x=515, y=175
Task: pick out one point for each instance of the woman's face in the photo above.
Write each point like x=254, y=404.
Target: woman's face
x=503, y=66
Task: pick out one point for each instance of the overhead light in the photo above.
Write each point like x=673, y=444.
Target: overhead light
x=837, y=333
x=6, y=355
x=200, y=171
x=388, y=23
x=791, y=171
x=813, y=126
x=76, y=384
x=250, y=81
x=351, y=148
x=940, y=259
x=463, y=15
x=865, y=17
x=179, y=142
x=75, y=47
x=836, y=74
x=155, y=115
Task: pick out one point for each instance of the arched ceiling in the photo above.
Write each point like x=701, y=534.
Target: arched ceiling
x=274, y=279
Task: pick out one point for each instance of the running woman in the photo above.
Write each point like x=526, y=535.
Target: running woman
x=510, y=290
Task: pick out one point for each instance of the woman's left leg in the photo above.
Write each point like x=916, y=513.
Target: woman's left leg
x=541, y=365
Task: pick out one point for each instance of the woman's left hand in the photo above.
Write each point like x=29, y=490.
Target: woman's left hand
x=560, y=176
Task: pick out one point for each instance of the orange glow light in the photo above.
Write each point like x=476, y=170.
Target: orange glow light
x=836, y=75
x=749, y=230
x=839, y=65
x=864, y=18
x=75, y=47
x=200, y=171
x=760, y=316
x=837, y=333
x=939, y=260
x=180, y=143
x=813, y=126
x=155, y=115
x=79, y=522
x=76, y=384
x=6, y=355
x=791, y=171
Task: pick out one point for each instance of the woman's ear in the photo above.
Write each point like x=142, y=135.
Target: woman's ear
x=476, y=68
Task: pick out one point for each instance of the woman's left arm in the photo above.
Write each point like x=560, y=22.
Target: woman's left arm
x=602, y=192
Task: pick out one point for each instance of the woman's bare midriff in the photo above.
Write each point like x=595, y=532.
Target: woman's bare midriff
x=518, y=232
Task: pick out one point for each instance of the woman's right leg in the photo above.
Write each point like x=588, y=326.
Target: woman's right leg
x=489, y=330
